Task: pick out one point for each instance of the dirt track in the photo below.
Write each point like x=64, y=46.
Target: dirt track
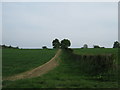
x=39, y=70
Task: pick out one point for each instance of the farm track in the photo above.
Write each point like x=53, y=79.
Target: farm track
x=39, y=70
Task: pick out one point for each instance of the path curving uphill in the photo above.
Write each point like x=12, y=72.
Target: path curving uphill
x=39, y=70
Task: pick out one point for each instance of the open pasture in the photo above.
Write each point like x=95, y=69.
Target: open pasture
x=15, y=61
x=69, y=74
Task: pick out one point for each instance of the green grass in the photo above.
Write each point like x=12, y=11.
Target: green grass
x=15, y=61
x=66, y=75
x=96, y=51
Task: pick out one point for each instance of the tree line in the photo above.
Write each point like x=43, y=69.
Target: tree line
x=115, y=45
x=4, y=46
x=64, y=44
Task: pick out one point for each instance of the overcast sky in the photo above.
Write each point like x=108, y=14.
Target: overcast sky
x=37, y=24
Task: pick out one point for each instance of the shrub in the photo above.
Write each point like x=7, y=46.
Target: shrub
x=96, y=46
x=44, y=47
x=95, y=64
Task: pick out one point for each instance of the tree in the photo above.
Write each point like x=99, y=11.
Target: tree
x=85, y=46
x=17, y=47
x=10, y=46
x=56, y=43
x=116, y=44
x=96, y=46
x=3, y=46
x=44, y=47
x=65, y=43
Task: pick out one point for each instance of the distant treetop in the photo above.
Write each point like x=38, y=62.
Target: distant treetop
x=4, y=46
x=56, y=43
x=116, y=44
x=65, y=43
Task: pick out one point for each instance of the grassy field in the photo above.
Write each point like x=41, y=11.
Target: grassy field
x=15, y=61
x=96, y=51
x=68, y=74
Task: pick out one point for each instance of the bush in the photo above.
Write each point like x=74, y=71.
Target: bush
x=100, y=63
x=96, y=46
x=44, y=47
x=94, y=64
